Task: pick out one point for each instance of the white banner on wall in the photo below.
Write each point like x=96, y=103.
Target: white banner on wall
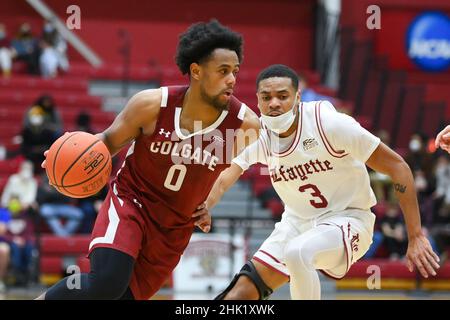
x=209, y=263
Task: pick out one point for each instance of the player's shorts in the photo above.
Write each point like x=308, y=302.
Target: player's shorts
x=357, y=231
x=125, y=225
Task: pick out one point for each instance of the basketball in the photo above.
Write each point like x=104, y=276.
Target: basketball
x=78, y=164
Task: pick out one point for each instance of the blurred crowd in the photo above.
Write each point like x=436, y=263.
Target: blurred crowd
x=29, y=205
x=44, y=55
x=431, y=170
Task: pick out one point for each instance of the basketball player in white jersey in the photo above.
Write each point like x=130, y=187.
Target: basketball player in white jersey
x=317, y=158
x=443, y=139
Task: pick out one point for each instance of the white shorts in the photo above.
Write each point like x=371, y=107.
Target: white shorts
x=356, y=227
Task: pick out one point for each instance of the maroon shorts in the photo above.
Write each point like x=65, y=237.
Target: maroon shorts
x=125, y=225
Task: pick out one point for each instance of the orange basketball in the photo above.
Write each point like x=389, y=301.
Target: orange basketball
x=78, y=164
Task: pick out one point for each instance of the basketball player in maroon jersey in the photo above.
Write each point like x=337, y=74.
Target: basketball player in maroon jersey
x=146, y=220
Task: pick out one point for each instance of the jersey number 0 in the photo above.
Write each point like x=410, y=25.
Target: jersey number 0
x=176, y=172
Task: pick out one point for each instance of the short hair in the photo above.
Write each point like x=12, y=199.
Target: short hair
x=201, y=39
x=278, y=70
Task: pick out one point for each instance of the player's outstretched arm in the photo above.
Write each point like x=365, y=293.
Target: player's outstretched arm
x=419, y=253
x=443, y=139
x=244, y=136
x=247, y=133
x=138, y=116
x=226, y=179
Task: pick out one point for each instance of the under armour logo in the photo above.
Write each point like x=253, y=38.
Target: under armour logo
x=167, y=134
x=135, y=201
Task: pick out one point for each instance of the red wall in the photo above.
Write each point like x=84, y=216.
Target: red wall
x=274, y=31
x=396, y=15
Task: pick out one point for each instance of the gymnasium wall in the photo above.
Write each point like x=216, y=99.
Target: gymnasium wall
x=396, y=16
x=273, y=30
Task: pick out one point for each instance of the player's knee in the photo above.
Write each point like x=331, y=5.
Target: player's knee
x=298, y=254
x=244, y=289
x=108, y=285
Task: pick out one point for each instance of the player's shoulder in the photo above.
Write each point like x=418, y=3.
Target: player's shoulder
x=326, y=115
x=319, y=106
x=148, y=97
x=145, y=101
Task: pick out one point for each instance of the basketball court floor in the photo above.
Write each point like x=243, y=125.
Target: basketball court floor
x=328, y=293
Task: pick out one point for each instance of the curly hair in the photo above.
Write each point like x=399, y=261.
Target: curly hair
x=201, y=39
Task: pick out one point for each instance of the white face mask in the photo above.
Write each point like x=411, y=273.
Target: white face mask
x=281, y=123
x=26, y=173
x=36, y=120
x=415, y=145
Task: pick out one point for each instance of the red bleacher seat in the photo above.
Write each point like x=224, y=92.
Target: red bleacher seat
x=54, y=245
x=51, y=264
x=388, y=268
x=10, y=166
x=3, y=181
x=112, y=71
x=24, y=82
x=62, y=99
x=259, y=186
x=276, y=207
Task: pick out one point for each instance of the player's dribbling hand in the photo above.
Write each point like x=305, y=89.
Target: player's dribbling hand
x=202, y=218
x=443, y=139
x=44, y=163
x=421, y=255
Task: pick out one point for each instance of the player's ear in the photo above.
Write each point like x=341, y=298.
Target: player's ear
x=195, y=70
x=298, y=95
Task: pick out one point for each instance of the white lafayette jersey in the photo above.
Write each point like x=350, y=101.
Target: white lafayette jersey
x=323, y=168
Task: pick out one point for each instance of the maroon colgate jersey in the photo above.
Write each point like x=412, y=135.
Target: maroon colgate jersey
x=169, y=173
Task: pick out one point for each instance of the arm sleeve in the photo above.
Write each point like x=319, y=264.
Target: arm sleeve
x=345, y=133
x=250, y=155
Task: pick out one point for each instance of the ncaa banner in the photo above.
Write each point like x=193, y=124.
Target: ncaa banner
x=428, y=41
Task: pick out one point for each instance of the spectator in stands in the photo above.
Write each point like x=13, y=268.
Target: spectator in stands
x=53, y=54
x=21, y=242
x=26, y=47
x=55, y=207
x=83, y=122
x=4, y=247
x=418, y=157
x=421, y=163
x=36, y=137
x=442, y=173
x=394, y=233
x=308, y=94
x=19, y=196
x=7, y=53
x=441, y=220
x=20, y=191
x=91, y=207
x=52, y=117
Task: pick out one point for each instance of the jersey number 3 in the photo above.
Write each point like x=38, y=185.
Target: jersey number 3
x=175, y=177
x=323, y=203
